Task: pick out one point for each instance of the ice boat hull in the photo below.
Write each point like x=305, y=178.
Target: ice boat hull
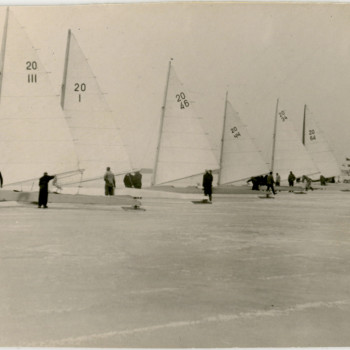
x=6, y=195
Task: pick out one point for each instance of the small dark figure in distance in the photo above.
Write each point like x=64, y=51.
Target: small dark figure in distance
x=1, y=180
x=137, y=179
x=278, y=179
x=323, y=180
x=269, y=183
x=291, y=179
x=44, y=189
x=128, y=180
x=308, y=182
x=109, y=182
x=208, y=184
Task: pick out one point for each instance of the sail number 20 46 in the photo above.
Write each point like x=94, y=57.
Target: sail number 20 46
x=181, y=98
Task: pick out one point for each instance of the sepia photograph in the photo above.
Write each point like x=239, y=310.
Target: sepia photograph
x=175, y=175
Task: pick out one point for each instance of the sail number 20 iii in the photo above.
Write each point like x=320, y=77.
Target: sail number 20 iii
x=32, y=66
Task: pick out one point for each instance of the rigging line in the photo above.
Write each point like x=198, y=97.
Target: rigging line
x=65, y=174
x=92, y=128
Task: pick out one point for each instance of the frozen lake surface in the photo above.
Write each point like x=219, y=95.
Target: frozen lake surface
x=242, y=272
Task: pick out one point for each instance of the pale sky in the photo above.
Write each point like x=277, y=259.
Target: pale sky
x=299, y=53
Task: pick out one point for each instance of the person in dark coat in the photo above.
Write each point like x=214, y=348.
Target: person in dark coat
x=128, y=180
x=208, y=183
x=1, y=180
x=291, y=179
x=137, y=179
x=322, y=180
x=44, y=189
x=255, y=182
x=269, y=183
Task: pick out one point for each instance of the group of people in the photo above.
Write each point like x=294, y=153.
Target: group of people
x=109, y=179
x=270, y=182
x=130, y=180
x=135, y=180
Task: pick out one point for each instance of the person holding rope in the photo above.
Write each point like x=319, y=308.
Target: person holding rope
x=44, y=189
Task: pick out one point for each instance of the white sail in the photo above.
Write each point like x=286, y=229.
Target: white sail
x=240, y=158
x=318, y=147
x=91, y=121
x=184, y=149
x=289, y=153
x=34, y=136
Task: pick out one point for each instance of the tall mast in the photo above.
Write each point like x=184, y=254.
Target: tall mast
x=161, y=126
x=64, y=80
x=274, y=138
x=304, y=123
x=3, y=48
x=222, y=140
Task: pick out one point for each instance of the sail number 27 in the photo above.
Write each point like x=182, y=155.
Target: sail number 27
x=181, y=98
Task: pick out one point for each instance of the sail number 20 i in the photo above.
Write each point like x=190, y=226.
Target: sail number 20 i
x=79, y=87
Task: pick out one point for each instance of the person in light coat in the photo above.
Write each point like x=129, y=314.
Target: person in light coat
x=109, y=182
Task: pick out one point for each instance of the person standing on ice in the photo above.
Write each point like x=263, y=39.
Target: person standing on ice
x=1, y=180
x=137, y=179
x=207, y=183
x=127, y=180
x=278, y=179
x=269, y=182
x=44, y=189
x=291, y=179
x=109, y=182
x=308, y=181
